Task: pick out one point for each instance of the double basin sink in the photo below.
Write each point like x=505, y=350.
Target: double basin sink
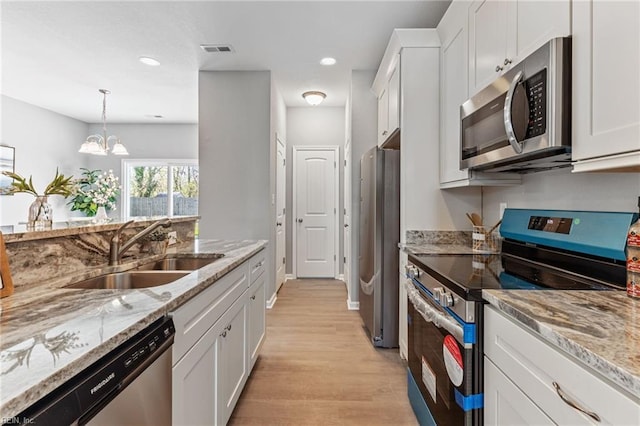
x=150, y=274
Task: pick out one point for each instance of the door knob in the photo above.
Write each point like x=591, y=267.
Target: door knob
x=299, y=220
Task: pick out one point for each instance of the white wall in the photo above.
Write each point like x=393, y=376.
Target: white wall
x=317, y=126
x=43, y=141
x=561, y=189
x=145, y=141
x=234, y=154
x=423, y=205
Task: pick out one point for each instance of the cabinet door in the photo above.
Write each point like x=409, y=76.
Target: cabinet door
x=257, y=323
x=533, y=23
x=453, y=92
x=505, y=404
x=606, y=66
x=232, y=359
x=194, y=383
x=383, y=116
x=393, y=121
x=487, y=42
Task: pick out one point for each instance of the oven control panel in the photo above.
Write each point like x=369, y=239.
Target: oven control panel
x=443, y=297
x=440, y=294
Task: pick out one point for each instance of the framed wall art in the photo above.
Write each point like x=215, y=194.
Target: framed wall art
x=7, y=163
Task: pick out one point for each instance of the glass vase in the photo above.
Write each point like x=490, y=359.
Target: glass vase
x=40, y=214
x=101, y=215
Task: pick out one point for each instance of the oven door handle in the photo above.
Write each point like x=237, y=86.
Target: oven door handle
x=434, y=315
x=508, y=119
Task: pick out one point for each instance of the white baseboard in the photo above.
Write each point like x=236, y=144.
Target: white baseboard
x=272, y=301
x=353, y=306
x=340, y=277
x=289, y=277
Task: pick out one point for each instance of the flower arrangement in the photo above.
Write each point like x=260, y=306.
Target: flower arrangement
x=95, y=189
x=60, y=185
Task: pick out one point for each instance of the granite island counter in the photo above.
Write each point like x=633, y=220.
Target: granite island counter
x=50, y=333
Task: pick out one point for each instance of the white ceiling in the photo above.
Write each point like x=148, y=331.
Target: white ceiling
x=57, y=54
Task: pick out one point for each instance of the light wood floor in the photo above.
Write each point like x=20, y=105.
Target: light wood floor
x=317, y=366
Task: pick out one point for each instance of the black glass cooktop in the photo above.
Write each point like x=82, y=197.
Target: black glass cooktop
x=467, y=275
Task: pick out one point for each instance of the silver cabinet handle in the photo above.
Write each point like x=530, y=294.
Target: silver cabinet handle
x=508, y=123
x=224, y=334
x=384, y=133
x=572, y=404
x=507, y=61
x=253, y=297
x=278, y=223
x=299, y=220
x=228, y=328
x=346, y=225
x=499, y=68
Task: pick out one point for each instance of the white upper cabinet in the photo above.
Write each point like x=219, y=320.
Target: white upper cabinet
x=454, y=54
x=383, y=116
x=503, y=32
x=606, y=86
x=389, y=104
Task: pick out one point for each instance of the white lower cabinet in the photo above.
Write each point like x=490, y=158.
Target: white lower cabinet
x=231, y=361
x=218, y=338
x=193, y=383
x=527, y=381
x=506, y=404
x=257, y=318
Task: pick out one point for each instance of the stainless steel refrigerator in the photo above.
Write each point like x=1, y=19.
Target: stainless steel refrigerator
x=379, y=238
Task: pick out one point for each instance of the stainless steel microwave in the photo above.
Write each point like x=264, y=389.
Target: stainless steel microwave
x=522, y=121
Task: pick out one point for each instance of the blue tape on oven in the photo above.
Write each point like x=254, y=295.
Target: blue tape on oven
x=468, y=329
x=469, y=402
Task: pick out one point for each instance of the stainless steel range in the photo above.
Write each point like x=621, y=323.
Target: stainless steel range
x=541, y=250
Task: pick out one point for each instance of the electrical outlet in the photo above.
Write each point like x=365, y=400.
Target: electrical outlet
x=173, y=237
x=503, y=206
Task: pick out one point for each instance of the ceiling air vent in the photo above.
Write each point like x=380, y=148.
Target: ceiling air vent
x=217, y=48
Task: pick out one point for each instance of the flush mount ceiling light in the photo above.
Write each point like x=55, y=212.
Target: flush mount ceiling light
x=99, y=144
x=328, y=61
x=314, y=97
x=149, y=61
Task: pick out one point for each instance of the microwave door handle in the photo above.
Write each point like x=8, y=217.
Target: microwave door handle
x=508, y=122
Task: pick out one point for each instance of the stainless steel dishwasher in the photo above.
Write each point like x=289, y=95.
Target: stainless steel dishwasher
x=131, y=385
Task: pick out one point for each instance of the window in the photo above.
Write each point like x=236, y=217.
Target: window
x=159, y=188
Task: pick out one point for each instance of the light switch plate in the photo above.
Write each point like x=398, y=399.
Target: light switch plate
x=173, y=237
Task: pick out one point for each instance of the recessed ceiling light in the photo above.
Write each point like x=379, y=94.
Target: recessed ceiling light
x=328, y=61
x=149, y=61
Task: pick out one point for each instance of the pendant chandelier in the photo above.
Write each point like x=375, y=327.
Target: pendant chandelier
x=99, y=144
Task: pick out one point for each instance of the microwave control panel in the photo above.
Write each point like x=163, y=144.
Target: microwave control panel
x=536, y=87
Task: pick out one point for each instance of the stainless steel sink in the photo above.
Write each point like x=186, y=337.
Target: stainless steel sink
x=130, y=280
x=179, y=263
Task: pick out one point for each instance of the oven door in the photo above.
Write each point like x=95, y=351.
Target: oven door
x=445, y=370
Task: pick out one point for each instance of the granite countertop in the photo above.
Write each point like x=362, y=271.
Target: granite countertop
x=436, y=249
x=601, y=329
x=50, y=333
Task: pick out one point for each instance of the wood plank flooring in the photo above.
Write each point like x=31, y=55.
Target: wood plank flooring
x=317, y=366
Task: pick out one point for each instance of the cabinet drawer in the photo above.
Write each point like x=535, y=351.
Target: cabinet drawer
x=195, y=317
x=257, y=265
x=533, y=365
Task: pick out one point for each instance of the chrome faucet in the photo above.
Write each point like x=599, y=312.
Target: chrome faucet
x=116, y=250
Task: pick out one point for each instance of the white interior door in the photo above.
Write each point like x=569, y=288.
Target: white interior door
x=315, y=180
x=347, y=214
x=281, y=153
